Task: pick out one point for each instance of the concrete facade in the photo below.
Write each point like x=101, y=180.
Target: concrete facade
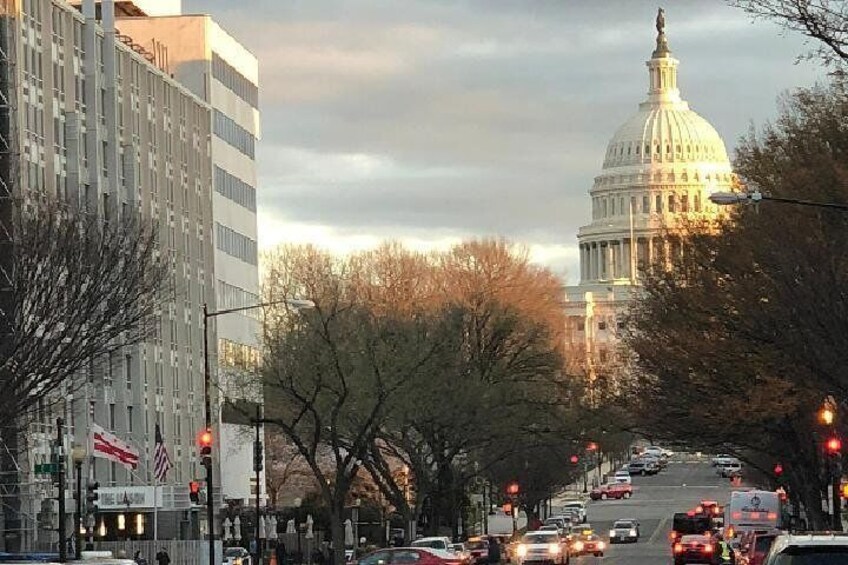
x=216, y=67
x=99, y=124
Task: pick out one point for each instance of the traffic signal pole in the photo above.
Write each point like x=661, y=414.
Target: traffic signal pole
x=207, y=382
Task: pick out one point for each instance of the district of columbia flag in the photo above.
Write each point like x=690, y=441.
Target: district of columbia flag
x=109, y=446
x=161, y=461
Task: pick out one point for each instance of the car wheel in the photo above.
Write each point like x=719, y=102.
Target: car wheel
x=603, y=496
x=642, y=472
x=626, y=495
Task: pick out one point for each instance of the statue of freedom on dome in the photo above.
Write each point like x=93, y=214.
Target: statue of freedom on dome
x=661, y=21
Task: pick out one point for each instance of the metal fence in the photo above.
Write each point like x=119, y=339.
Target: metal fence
x=181, y=552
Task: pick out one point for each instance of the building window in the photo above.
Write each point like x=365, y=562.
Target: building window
x=658, y=204
x=646, y=204
x=602, y=325
x=130, y=419
x=112, y=417
x=672, y=203
x=235, y=244
x=234, y=134
x=233, y=188
x=697, y=202
x=237, y=355
x=234, y=81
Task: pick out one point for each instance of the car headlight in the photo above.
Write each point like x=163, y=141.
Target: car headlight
x=632, y=532
x=601, y=545
x=578, y=546
x=612, y=533
x=522, y=550
x=553, y=549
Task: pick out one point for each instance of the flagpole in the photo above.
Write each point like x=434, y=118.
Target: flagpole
x=155, y=509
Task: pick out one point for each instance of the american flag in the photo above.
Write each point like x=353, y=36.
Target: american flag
x=161, y=461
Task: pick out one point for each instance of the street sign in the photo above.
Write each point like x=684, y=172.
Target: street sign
x=46, y=468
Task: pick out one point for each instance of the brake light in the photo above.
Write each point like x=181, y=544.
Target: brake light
x=690, y=513
x=708, y=549
x=736, y=515
x=716, y=510
x=699, y=509
x=673, y=535
x=772, y=515
x=678, y=548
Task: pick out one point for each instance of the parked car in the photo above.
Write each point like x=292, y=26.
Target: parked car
x=625, y=531
x=543, y=547
x=657, y=451
x=622, y=477
x=721, y=458
x=236, y=556
x=809, y=549
x=406, y=555
x=616, y=490
x=642, y=467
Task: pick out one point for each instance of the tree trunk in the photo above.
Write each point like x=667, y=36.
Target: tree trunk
x=337, y=531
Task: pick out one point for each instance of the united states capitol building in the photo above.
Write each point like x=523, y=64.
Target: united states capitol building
x=659, y=168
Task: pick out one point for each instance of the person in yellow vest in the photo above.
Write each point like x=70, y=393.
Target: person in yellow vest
x=724, y=553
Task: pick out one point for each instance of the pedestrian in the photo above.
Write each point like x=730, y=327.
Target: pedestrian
x=139, y=559
x=725, y=552
x=494, y=551
x=280, y=552
x=162, y=558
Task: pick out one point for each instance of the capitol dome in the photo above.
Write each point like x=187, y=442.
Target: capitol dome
x=660, y=166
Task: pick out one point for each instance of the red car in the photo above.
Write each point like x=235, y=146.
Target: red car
x=757, y=547
x=693, y=549
x=407, y=555
x=611, y=491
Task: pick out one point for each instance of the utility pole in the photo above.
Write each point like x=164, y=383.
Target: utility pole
x=60, y=478
x=257, y=467
x=207, y=461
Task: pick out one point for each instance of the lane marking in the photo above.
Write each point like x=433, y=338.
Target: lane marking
x=660, y=529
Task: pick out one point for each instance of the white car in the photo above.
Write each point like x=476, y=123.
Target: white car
x=577, y=505
x=436, y=542
x=722, y=459
x=543, y=547
x=657, y=451
x=622, y=477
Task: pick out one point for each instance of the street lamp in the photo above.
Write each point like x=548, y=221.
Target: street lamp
x=78, y=456
x=734, y=198
x=296, y=304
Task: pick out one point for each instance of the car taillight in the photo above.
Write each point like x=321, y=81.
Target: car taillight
x=678, y=548
x=673, y=535
x=708, y=549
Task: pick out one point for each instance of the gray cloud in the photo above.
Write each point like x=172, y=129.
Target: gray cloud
x=487, y=116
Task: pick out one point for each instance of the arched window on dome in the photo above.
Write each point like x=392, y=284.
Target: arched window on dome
x=672, y=203
x=684, y=202
x=658, y=205
x=697, y=202
x=647, y=149
x=646, y=204
x=628, y=150
x=637, y=149
x=688, y=149
x=677, y=149
x=621, y=206
x=668, y=148
x=658, y=151
x=604, y=208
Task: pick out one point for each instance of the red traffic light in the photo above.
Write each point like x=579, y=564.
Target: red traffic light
x=592, y=446
x=834, y=445
x=574, y=459
x=512, y=488
x=205, y=438
x=194, y=487
x=778, y=470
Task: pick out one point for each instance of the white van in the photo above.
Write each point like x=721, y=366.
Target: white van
x=752, y=510
x=729, y=468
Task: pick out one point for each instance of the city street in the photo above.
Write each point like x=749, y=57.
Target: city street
x=680, y=487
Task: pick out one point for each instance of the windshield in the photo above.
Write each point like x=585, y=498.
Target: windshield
x=763, y=544
x=538, y=539
x=574, y=505
x=813, y=555
x=482, y=544
x=431, y=543
x=623, y=524
x=234, y=552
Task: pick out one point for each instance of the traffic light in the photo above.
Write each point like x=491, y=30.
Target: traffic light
x=833, y=445
x=512, y=488
x=91, y=497
x=574, y=460
x=592, y=446
x=827, y=414
x=845, y=490
x=205, y=442
x=194, y=492
x=257, y=456
x=778, y=470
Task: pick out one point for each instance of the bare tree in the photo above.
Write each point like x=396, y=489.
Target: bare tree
x=824, y=21
x=79, y=289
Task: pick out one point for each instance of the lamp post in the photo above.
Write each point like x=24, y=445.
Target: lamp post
x=207, y=384
x=78, y=456
x=734, y=198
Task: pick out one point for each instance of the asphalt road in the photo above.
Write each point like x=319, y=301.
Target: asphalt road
x=655, y=499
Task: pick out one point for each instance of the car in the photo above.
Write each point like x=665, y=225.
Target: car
x=622, y=477
x=571, y=515
x=641, y=467
x=479, y=548
x=588, y=544
x=812, y=548
x=730, y=469
x=721, y=458
x=463, y=552
x=657, y=451
x=406, y=555
x=689, y=523
x=542, y=547
x=625, y=530
x=550, y=528
x=577, y=505
x=559, y=521
x=661, y=462
x=616, y=491
x=755, y=546
x=436, y=542
x=236, y=556
x=693, y=549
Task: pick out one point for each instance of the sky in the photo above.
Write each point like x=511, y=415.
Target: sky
x=434, y=121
